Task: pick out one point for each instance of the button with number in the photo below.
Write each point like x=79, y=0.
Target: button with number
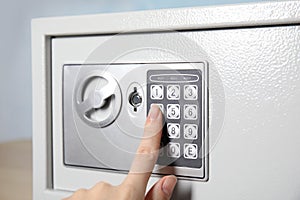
x=173, y=130
x=173, y=92
x=190, y=92
x=190, y=112
x=157, y=92
x=173, y=111
x=190, y=151
x=190, y=131
x=173, y=150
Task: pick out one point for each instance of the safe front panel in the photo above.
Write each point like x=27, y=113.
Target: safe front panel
x=253, y=97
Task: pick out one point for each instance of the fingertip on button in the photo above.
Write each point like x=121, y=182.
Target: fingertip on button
x=154, y=112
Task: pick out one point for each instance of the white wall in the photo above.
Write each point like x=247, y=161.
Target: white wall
x=15, y=50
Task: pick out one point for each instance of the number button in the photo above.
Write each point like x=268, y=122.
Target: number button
x=190, y=131
x=190, y=112
x=173, y=92
x=190, y=92
x=190, y=151
x=173, y=150
x=173, y=111
x=173, y=130
x=157, y=92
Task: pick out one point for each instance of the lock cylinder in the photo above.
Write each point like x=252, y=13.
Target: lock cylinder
x=135, y=99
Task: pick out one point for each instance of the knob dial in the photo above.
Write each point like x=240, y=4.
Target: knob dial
x=98, y=98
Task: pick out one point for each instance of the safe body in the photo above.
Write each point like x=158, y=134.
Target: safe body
x=252, y=74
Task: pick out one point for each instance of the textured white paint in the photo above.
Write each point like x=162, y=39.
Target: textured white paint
x=15, y=69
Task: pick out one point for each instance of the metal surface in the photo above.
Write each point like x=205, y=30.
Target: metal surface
x=88, y=145
x=102, y=104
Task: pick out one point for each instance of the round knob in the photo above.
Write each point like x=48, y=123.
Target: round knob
x=98, y=99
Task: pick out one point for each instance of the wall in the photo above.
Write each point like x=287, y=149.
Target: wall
x=15, y=50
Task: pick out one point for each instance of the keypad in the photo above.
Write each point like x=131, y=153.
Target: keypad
x=173, y=150
x=173, y=92
x=173, y=130
x=179, y=94
x=173, y=111
x=190, y=151
x=190, y=131
x=190, y=92
x=190, y=112
x=157, y=92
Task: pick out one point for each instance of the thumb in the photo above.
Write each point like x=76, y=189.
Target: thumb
x=163, y=189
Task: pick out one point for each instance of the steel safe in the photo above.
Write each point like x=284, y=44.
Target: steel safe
x=227, y=79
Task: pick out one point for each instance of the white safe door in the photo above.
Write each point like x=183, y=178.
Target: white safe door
x=254, y=107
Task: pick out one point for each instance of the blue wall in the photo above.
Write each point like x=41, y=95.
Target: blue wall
x=15, y=50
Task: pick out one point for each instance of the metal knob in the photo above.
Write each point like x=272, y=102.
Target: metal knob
x=98, y=99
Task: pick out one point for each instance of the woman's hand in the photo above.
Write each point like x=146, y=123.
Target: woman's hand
x=134, y=185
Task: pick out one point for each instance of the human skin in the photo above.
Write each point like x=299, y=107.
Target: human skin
x=134, y=185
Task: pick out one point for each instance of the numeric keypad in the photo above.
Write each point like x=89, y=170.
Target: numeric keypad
x=178, y=94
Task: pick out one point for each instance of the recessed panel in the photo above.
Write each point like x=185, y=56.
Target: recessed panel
x=102, y=104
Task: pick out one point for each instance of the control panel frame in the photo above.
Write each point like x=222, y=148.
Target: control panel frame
x=75, y=148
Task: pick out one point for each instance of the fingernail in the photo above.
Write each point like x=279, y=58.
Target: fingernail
x=154, y=112
x=169, y=185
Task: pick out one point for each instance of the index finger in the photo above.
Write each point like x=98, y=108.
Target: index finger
x=147, y=151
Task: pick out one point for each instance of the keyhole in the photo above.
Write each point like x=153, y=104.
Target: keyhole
x=135, y=99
